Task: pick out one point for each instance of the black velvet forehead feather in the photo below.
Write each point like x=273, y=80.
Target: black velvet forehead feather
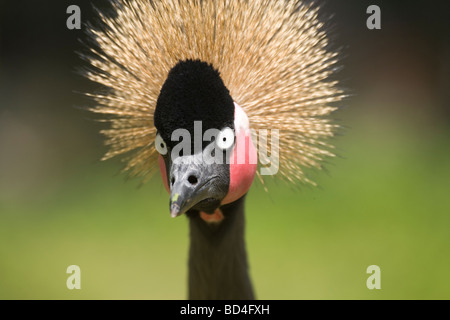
x=193, y=91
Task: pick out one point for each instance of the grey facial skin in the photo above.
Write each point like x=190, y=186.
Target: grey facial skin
x=196, y=184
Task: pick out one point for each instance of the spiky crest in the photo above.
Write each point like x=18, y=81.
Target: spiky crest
x=272, y=56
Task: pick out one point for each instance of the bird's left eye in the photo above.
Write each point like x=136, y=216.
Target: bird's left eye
x=225, y=139
x=160, y=145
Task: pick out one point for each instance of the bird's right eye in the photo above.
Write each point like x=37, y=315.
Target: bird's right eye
x=160, y=145
x=225, y=139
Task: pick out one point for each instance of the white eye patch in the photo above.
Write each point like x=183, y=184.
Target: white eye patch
x=225, y=139
x=160, y=145
x=241, y=121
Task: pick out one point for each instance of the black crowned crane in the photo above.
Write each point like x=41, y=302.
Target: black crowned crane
x=180, y=71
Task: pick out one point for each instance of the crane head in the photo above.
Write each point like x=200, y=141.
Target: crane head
x=207, y=157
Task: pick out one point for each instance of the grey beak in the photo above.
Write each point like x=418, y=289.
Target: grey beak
x=191, y=182
x=184, y=195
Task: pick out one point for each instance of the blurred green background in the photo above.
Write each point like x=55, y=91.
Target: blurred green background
x=385, y=201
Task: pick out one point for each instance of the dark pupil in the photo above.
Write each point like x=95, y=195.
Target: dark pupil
x=162, y=145
x=224, y=139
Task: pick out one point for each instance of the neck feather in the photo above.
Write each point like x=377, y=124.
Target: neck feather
x=218, y=267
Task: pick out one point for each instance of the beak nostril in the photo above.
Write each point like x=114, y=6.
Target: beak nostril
x=193, y=180
x=172, y=181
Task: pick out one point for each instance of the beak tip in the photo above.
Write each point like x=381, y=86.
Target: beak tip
x=174, y=211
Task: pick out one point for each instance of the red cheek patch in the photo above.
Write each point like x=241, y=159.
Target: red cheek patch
x=243, y=163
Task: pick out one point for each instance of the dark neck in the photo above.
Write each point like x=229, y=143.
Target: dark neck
x=218, y=266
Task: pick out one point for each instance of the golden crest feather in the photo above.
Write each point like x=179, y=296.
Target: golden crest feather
x=272, y=56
